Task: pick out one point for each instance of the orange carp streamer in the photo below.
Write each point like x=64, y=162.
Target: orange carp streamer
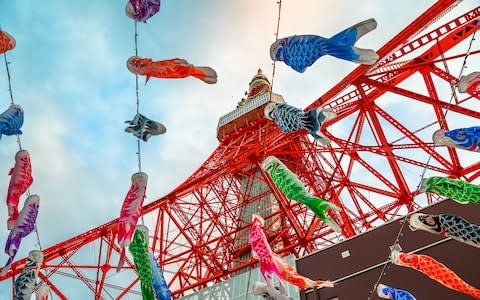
x=435, y=270
x=172, y=68
x=7, y=42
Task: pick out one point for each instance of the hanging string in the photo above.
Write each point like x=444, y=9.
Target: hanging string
x=139, y=153
x=279, y=2
x=276, y=38
x=441, y=121
x=8, y=75
x=138, y=102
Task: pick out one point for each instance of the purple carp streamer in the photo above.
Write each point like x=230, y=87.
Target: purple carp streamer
x=142, y=10
x=24, y=226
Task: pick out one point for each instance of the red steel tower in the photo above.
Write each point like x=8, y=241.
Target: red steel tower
x=381, y=137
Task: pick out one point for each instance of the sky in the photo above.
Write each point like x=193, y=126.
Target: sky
x=69, y=75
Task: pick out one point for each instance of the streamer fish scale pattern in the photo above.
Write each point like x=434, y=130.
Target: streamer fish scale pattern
x=460, y=229
x=458, y=190
x=293, y=188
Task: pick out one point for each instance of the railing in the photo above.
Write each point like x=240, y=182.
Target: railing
x=254, y=103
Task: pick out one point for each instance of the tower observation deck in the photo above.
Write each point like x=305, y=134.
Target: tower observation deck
x=248, y=109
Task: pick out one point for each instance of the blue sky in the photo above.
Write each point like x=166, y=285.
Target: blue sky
x=68, y=73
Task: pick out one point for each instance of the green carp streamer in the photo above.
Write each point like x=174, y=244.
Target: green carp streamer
x=293, y=189
x=139, y=250
x=455, y=189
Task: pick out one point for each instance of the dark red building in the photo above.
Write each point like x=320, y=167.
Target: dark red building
x=356, y=263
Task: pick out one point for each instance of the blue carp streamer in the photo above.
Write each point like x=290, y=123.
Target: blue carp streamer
x=301, y=51
x=290, y=118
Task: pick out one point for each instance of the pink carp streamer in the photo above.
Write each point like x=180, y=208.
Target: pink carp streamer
x=272, y=263
x=435, y=270
x=20, y=180
x=261, y=250
x=131, y=211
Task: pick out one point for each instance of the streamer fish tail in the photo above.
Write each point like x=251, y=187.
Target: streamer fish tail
x=205, y=74
x=348, y=37
x=319, y=206
x=319, y=116
x=287, y=273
